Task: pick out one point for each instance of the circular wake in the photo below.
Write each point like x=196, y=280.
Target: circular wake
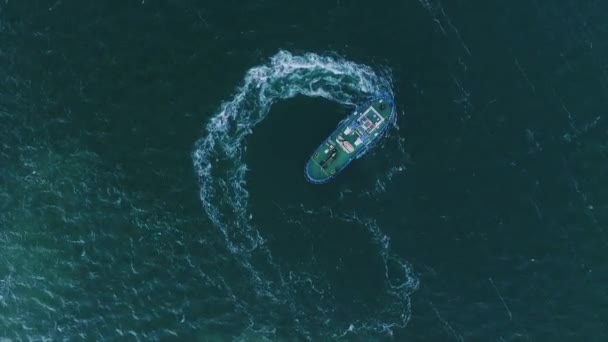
x=218, y=160
x=223, y=193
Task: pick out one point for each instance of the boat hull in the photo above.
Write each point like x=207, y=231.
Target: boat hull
x=354, y=135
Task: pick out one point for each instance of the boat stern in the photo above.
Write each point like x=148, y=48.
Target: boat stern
x=385, y=107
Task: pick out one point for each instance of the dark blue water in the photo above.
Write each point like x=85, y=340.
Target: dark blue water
x=152, y=187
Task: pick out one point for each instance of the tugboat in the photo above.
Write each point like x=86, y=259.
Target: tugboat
x=354, y=135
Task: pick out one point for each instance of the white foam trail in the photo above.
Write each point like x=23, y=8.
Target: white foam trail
x=399, y=286
x=218, y=157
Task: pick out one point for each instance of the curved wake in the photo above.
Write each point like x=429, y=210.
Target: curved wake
x=224, y=195
x=218, y=157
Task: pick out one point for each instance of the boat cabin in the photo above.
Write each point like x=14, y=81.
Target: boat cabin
x=359, y=131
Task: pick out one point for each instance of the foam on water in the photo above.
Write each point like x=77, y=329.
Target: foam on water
x=218, y=157
x=218, y=160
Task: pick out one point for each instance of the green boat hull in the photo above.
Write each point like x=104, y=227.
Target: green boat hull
x=351, y=139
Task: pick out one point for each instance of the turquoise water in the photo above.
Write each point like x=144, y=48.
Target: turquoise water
x=152, y=187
